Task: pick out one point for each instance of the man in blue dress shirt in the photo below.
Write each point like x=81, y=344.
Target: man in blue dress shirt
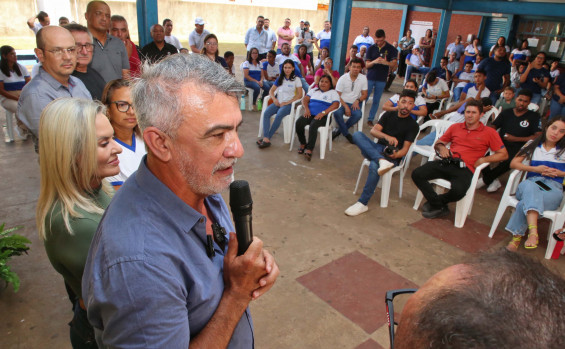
x=151, y=280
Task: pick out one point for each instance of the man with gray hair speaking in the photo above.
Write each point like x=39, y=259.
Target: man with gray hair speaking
x=150, y=281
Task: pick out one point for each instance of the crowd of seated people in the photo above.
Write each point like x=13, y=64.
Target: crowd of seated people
x=85, y=77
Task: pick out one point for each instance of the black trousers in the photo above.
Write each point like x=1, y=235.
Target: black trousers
x=301, y=123
x=490, y=174
x=460, y=179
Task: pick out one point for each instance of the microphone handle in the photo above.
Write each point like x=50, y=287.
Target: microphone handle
x=244, y=232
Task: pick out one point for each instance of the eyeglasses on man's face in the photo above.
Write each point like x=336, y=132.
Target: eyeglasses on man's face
x=58, y=52
x=88, y=46
x=389, y=300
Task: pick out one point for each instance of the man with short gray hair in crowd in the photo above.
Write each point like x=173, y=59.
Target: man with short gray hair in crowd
x=93, y=81
x=158, y=48
x=185, y=284
x=57, y=54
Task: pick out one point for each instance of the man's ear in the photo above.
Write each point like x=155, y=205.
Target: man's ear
x=39, y=54
x=158, y=143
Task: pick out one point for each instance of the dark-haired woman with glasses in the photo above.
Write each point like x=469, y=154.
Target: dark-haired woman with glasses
x=211, y=51
x=117, y=98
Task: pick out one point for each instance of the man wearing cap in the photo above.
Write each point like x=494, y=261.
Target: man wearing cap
x=308, y=38
x=257, y=37
x=196, y=37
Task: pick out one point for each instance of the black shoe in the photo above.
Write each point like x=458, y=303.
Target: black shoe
x=427, y=207
x=436, y=213
x=349, y=138
x=264, y=145
x=335, y=134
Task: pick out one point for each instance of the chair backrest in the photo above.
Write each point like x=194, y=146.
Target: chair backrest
x=492, y=113
x=441, y=127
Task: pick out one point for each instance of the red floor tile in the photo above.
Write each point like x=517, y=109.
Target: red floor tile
x=355, y=285
x=369, y=344
x=472, y=238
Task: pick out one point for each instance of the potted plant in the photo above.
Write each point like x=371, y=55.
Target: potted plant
x=11, y=245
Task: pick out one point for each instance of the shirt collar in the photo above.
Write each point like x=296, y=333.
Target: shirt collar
x=185, y=216
x=480, y=128
x=52, y=81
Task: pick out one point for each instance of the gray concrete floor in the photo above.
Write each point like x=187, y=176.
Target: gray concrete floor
x=298, y=213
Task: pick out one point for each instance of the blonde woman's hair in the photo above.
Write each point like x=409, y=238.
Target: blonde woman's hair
x=67, y=160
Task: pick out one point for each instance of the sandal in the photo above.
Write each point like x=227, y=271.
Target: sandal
x=259, y=142
x=535, y=245
x=558, y=233
x=514, y=243
x=308, y=156
x=301, y=149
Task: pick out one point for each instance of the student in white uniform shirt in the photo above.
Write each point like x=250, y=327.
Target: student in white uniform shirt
x=117, y=98
x=287, y=89
x=169, y=38
x=270, y=70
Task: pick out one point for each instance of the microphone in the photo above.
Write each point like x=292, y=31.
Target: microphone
x=241, y=206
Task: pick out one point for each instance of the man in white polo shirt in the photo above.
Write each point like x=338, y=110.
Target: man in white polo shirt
x=364, y=39
x=352, y=88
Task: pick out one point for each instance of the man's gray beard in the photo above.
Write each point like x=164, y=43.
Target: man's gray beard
x=199, y=183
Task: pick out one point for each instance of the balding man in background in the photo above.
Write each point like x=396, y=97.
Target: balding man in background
x=110, y=58
x=158, y=48
x=57, y=52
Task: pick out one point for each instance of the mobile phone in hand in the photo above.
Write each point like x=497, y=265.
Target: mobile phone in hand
x=543, y=186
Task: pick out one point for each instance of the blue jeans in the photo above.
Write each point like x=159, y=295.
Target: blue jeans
x=533, y=198
x=411, y=69
x=305, y=85
x=353, y=119
x=428, y=139
x=256, y=89
x=494, y=97
x=281, y=112
x=267, y=86
x=556, y=109
x=373, y=152
x=536, y=98
x=457, y=93
x=378, y=88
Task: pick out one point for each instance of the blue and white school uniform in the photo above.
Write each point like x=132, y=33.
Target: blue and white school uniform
x=320, y=100
x=130, y=158
x=254, y=70
x=534, y=198
x=418, y=103
x=13, y=83
x=521, y=54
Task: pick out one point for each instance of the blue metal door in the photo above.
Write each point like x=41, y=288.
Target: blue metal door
x=494, y=28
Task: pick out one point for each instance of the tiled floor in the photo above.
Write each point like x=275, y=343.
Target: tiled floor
x=334, y=268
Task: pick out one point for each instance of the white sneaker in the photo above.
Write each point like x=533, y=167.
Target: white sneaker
x=356, y=209
x=480, y=183
x=384, y=166
x=494, y=186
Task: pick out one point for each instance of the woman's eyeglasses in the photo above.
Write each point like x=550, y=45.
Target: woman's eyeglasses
x=122, y=106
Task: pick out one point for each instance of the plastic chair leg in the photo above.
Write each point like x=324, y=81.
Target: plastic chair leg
x=419, y=197
x=323, y=141
x=363, y=165
x=497, y=218
x=10, y=125
x=386, y=181
x=287, y=128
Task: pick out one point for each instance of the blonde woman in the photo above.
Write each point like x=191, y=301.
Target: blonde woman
x=119, y=109
x=76, y=152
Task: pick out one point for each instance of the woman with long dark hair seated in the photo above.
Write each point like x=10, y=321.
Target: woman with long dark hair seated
x=542, y=190
x=76, y=152
x=318, y=103
x=287, y=89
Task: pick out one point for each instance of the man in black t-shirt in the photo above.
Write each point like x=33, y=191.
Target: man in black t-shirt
x=158, y=48
x=515, y=126
x=394, y=128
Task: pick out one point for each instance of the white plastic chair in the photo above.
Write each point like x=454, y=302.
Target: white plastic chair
x=324, y=131
x=287, y=121
x=533, y=107
x=386, y=180
x=428, y=150
x=9, y=126
x=508, y=199
x=463, y=208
